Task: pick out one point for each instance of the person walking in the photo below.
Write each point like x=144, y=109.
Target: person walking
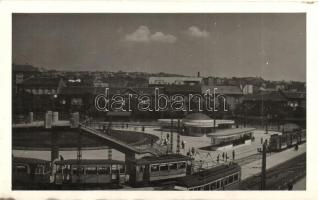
x=233, y=154
x=218, y=158
x=226, y=157
x=182, y=144
x=261, y=140
x=223, y=155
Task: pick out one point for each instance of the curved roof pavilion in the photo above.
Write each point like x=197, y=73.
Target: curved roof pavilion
x=198, y=120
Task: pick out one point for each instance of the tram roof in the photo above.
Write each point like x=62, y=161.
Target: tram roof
x=29, y=160
x=163, y=158
x=88, y=162
x=231, y=132
x=206, y=176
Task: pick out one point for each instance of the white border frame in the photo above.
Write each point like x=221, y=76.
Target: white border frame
x=173, y=6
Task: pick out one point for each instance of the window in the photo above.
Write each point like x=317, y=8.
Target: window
x=121, y=169
x=218, y=185
x=21, y=169
x=207, y=187
x=78, y=171
x=76, y=101
x=115, y=169
x=104, y=170
x=235, y=177
x=164, y=167
x=39, y=170
x=154, y=168
x=230, y=179
x=226, y=181
x=213, y=186
x=173, y=166
x=181, y=165
x=91, y=170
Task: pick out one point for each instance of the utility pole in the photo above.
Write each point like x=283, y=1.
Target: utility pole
x=79, y=155
x=171, y=135
x=178, y=137
x=263, y=178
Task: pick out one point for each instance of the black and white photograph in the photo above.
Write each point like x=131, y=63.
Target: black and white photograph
x=158, y=101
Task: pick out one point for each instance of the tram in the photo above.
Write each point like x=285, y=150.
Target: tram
x=222, y=177
x=287, y=139
x=165, y=170
x=30, y=170
x=96, y=171
x=153, y=169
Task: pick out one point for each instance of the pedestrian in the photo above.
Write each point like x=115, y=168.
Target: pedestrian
x=223, y=156
x=167, y=136
x=233, y=155
x=226, y=157
x=218, y=158
x=183, y=144
x=151, y=141
x=261, y=140
x=192, y=150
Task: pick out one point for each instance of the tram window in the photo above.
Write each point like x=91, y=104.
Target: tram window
x=121, y=169
x=39, y=170
x=226, y=181
x=230, y=179
x=77, y=171
x=235, y=177
x=154, y=168
x=164, y=167
x=213, y=186
x=91, y=170
x=218, y=184
x=115, y=169
x=103, y=170
x=173, y=166
x=21, y=169
x=207, y=187
x=181, y=165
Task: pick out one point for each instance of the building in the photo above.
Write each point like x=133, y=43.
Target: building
x=199, y=124
x=42, y=86
x=233, y=95
x=23, y=72
x=295, y=99
x=227, y=138
x=175, y=80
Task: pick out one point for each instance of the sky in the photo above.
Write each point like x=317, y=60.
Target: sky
x=271, y=46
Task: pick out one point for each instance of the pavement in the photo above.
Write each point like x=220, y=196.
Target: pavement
x=207, y=158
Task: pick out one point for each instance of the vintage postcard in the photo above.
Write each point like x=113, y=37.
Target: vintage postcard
x=133, y=102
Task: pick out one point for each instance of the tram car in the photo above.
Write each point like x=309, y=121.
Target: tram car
x=93, y=171
x=151, y=170
x=30, y=170
x=222, y=177
x=287, y=139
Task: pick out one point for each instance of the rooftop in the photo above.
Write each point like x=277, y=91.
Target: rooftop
x=29, y=160
x=163, y=158
x=88, y=162
x=197, y=116
x=42, y=81
x=206, y=176
x=230, y=132
x=223, y=89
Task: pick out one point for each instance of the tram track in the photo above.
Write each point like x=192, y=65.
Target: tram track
x=280, y=176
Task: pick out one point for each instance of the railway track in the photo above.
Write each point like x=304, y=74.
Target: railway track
x=280, y=177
